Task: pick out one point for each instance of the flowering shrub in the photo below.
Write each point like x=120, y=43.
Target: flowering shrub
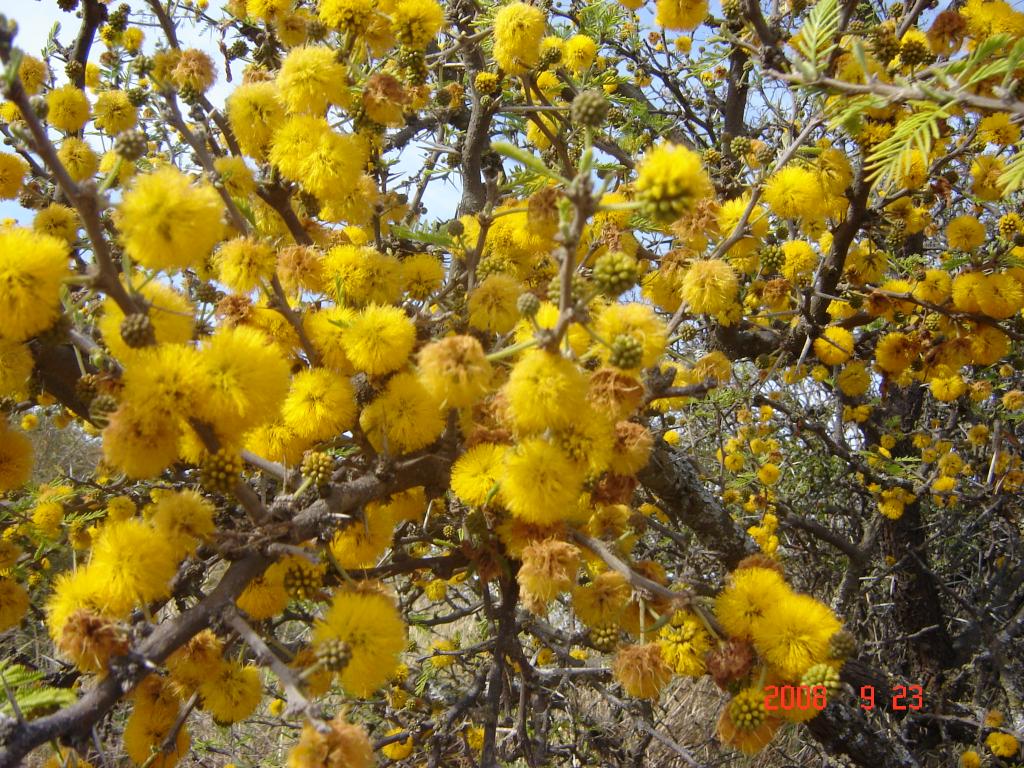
x=457, y=384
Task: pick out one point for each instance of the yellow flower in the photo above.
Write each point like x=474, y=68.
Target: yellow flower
x=114, y=113
x=642, y=670
x=768, y=474
x=32, y=269
x=834, y=346
x=578, y=53
x=518, y=30
x=255, y=111
x=58, y=221
x=998, y=128
x=670, y=181
x=369, y=624
x=492, y=304
x=999, y=296
x=183, y=519
x=710, y=286
x=477, y=472
x=794, y=634
x=1001, y=744
x=455, y=370
x=320, y=404
x=422, y=275
x=676, y=14
x=311, y=79
x=344, y=744
x=540, y=484
x=13, y=603
x=168, y=223
x=12, y=172
x=405, y=418
x=544, y=391
x=965, y=233
x=132, y=565
x=232, y=692
x=244, y=263
x=67, y=108
x=399, y=749
x=359, y=275
x=78, y=158
x=749, y=594
x=794, y=192
x=416, y=23
x=378, y=339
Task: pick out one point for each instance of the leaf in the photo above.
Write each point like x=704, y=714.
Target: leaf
x=31, y=697
x=1012, y=178
x=525, y=158
x=916, y=132
x=817, y=36
x=421, y=236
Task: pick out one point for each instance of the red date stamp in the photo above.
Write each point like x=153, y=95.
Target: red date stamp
x=789, y=697
x=904, y=697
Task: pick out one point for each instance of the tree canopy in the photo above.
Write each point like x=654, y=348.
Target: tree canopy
x=609, y=383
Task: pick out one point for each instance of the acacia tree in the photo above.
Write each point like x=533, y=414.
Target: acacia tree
x=711, y=376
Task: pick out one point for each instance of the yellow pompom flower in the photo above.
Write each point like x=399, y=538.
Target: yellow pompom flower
x=183, y=519
x=947, y=384
x=1002, y=744
x=166, y=222
x=578, y=53
x=370, y=625
x=965, y=233
x=320, y=404
x=12, y=172
x=799, y=261
x=348, y=16
x=422, y=274
x=639, y=322
x=132, y=565
x=16, y=365
x=794, y=192
x=311, y=79
x=710, y=286
x=684, y=644
x=541, y=484
x=244, y=380
x=235, y=175
x=359, y=275
x=854, y=379
x=57, y=220
x=477, y=472
x=455, y=371
x=33, y=74
x=169, y=313
x=518, y=31
x=670, y=181
x=794, y=634
x=114, y=113
x=999, y=296
x=378, y=339
x=244, y=263
x=265, y=596
x=934, y=288
x=13, y=603
x=404, y=418
x=67, y=108
x=416, y=22
x=544, y=391
x=834, y=346
x=32, y=268
x=676, y=14
x=970, y=759
x=232, y=692
x=255, y=111
x=748, y=595
x=895, y=352
x=642, y=670
x=492, y=304
x=78, y=158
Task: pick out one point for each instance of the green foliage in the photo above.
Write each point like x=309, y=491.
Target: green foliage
x=32, y=698
x=817, y=36
x=915, y=132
